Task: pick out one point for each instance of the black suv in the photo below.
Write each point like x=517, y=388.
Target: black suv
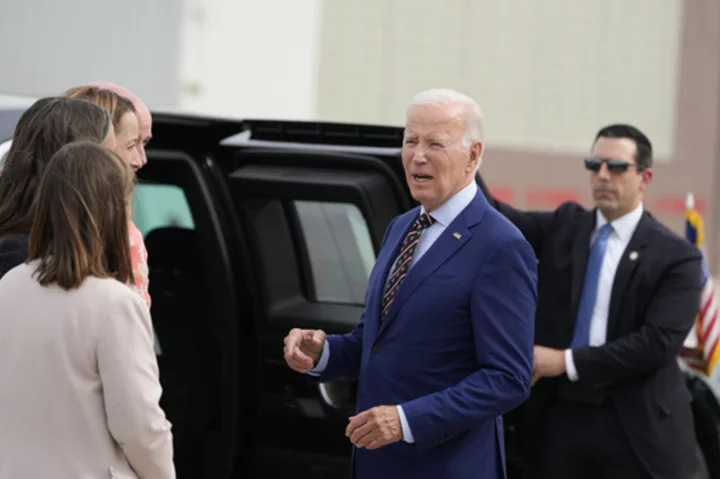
x=253, y=228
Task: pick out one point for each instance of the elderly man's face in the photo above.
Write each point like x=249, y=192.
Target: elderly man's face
x=436, y=164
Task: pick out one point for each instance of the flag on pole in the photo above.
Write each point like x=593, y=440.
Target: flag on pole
x=705, y=354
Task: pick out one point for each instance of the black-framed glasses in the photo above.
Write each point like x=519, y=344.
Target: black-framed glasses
x=613, y=166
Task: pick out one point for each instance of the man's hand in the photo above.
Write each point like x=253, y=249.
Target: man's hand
x=303, y=348
x=376, y=427
x=547, y=363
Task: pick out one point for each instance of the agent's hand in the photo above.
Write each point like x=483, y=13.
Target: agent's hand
x=376, y=427
x=547, y=363
x=303, y=348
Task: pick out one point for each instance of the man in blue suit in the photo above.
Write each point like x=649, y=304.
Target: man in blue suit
x=445, y=346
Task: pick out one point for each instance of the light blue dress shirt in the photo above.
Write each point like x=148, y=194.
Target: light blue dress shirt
x=443, y=216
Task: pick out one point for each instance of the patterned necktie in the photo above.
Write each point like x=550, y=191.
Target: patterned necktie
x=402, y=265
x=581, y=335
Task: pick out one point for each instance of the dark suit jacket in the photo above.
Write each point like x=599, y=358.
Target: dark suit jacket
x=654, y=302
x=455, y=349
x=13, y=251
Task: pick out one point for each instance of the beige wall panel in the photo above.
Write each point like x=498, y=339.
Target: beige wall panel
x=547, y=73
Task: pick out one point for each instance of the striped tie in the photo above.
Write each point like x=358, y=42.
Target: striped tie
x=402, y=265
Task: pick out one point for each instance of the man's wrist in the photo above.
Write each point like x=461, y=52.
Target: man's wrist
x=404, y=426
x=320, y=355
x=321, y=362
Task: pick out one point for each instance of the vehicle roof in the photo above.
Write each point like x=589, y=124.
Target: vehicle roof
x=168, y=126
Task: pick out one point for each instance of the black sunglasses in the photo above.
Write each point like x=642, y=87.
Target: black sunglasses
x=613, y=166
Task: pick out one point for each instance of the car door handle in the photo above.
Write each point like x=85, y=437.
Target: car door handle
x=330, y=395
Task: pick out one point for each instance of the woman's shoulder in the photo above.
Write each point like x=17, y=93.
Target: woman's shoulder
x=117, y=301
x=108, y=287
x=112, y=295
x=17, y=272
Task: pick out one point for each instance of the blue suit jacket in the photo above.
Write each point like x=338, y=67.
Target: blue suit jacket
x=455, y=350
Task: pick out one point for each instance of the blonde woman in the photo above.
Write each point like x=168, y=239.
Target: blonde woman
x=127, y=138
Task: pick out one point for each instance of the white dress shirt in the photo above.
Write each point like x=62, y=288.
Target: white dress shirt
x=442, y=216
x=622, y=230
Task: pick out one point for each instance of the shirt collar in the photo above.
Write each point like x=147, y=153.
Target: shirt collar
x=454, y=206
x=624, y=226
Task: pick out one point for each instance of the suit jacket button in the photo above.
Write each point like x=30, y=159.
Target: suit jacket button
x=376, y=349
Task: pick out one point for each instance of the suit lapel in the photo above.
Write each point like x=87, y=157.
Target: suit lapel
x=445, y=246
x=440, y=252
x=629, y=261
x=580, y=252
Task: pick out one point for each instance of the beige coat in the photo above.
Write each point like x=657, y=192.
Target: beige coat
x=79, y=385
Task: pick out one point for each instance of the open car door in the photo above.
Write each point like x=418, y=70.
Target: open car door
x=315, y=213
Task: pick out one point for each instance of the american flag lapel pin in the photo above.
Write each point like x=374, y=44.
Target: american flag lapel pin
x=457, y=235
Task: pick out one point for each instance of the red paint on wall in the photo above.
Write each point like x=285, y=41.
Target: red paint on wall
x=676, y=205
x=550, y=197
x=505, y=194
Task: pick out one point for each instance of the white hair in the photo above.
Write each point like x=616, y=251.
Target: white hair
x=473, y=115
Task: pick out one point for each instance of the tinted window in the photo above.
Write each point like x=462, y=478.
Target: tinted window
x=340, y=250
x=157, y=206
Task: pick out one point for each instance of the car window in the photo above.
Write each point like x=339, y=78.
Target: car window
x=339, y=248
x=157, y=206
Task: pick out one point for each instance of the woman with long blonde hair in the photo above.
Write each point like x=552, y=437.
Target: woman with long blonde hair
x=127, y=136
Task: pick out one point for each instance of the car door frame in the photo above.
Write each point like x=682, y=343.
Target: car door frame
x=209, y=224
x=271, y=179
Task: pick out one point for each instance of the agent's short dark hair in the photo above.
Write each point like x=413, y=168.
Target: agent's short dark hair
x=644, y=155
x=81, y=216
x=41, y=131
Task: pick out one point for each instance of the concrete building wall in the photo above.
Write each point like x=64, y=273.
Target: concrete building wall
x=47, y=46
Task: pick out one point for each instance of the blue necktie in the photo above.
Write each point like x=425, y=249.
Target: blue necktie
x=581, y=336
